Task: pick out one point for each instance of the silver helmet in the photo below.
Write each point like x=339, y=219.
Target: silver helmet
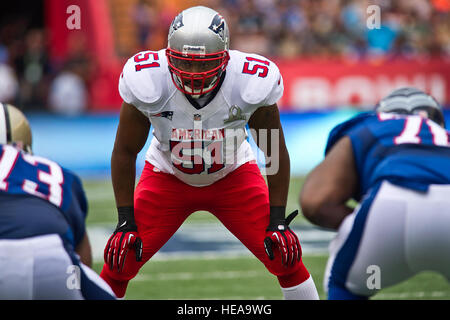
x=410, y=100
x=14, y=127
x=197, y=52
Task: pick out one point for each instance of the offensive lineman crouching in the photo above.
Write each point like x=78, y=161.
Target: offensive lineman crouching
x=396, y=162
x=45, y=251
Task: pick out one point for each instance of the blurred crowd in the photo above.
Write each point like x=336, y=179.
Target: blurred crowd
x=319, y=28
x=33, y=81
x=289, y=28
x=274, y=28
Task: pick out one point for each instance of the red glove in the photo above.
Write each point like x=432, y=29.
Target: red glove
x=278, y=234
x=124, y=238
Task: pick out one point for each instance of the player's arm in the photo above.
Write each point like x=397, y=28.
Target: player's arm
x=84, y=251
x=278, y=183
x=329, y=186
x=278, y=233
x=131, y=136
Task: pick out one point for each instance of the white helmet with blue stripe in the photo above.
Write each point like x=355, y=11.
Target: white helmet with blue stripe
x=409, y=100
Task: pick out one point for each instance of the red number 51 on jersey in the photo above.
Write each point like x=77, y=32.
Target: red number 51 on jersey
x=194, y=151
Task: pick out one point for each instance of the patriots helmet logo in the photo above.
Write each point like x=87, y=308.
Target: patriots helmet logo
x=177, y=23
x=218, y=26
x=164, y=114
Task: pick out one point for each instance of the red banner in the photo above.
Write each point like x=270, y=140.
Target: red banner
x=94, y=37
x=317, y=84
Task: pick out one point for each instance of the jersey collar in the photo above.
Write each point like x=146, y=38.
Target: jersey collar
x=212, y=95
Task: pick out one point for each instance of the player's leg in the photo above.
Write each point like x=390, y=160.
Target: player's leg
x=405, y=233
x=36, y=268
x=16, y=265
x=59, y=274
x=161, y=205
x=427, y=233
x=368, y=252
x=336, y=289
x=42, y=268
x=241, y=202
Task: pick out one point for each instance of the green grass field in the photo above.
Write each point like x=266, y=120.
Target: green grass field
x=240, y=277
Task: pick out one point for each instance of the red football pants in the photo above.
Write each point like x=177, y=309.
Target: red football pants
x=240, y=201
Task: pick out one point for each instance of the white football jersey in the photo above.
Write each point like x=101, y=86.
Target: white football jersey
x=200, y=146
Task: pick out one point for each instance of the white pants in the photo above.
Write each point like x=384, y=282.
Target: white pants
x=40, y=268
x=395, y=235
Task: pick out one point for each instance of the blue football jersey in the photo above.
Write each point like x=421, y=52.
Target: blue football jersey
x=407, y=150
x=39, y=197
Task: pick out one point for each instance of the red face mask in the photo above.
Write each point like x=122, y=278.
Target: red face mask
x=196, y=74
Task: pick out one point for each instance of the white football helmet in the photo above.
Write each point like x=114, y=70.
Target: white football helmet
x=14, y=127
x=197, y=52
x=409, y=100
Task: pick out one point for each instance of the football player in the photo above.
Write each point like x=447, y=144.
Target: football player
x=199, y=96
x=44, y=248
x=396, y=163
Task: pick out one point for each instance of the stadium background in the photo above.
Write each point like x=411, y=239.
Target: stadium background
x=334, y=66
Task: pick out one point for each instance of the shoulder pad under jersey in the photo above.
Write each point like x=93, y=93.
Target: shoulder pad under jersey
x=143, y=81
x=260, y=80
x=343, y=128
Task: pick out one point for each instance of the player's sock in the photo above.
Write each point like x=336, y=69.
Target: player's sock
x=304, y=291
x=118, y=286
x=298, y=285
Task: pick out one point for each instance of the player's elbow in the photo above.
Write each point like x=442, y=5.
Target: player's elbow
x=324, y=207
x=316, y=198
x=310, y=203
x=123, y=152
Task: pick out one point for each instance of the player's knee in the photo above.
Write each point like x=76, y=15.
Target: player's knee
x=298, y=275
x=116, y=281
x=288, y=276
x=129, y=271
